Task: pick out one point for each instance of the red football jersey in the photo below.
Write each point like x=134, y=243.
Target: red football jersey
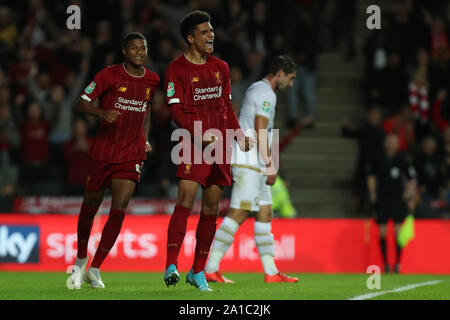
x=123, y=140
x=203, y=90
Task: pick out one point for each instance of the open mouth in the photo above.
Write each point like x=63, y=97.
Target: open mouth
x=209, y=44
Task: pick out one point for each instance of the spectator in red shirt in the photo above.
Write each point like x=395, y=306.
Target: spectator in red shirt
x=76, y=155
x=438, y=119
x=34, y=133
x=402, y=125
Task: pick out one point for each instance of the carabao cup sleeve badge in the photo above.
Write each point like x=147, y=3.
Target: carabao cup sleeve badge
x=170, y=89
x=90, y=87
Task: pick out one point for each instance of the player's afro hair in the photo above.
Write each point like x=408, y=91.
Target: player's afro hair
x=191, y=20
x=133, y=36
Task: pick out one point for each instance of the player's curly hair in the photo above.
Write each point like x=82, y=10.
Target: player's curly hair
x=191, y=20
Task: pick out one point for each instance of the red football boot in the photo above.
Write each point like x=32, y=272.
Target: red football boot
x=279, y=277
x=217, y=277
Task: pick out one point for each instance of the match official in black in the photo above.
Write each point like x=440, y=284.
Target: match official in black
x=391, y=184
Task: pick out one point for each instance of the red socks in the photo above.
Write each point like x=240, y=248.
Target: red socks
x=206, y=229
x=176, y=233
x=84, y=227
x=110, y=233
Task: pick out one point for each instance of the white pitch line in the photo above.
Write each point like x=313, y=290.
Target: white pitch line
x=399, y=289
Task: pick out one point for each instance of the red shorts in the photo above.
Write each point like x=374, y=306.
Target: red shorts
x=206, y=174
x=100, y=173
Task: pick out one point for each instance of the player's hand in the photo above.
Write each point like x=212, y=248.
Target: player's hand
x=148, y=147
x=246, y=144
x=110, y=116
x=208, y=139
x=271, y=178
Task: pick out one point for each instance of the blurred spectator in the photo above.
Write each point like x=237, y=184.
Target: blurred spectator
x=8, y=172
x=8, y=32
x=239, y=83
x=406, y=30
x=8, y=144
x=439, y=72
x=401, y=124
x=260, y=27
x=388, y=86
x=370, y=138
x=419, y=99
x=342, y=27
x=306, y=49
x=104, y=53
x=428, y=166
x=439, y=37
x=441, y=111
x=76, y=155
x=34, y=133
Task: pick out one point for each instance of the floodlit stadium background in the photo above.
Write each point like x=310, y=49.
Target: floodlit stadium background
x=345, y=69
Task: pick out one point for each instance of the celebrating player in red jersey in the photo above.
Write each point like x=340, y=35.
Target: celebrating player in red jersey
x=124, y=92
x=198, y=89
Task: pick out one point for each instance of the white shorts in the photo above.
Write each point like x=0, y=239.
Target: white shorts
x=250, y=190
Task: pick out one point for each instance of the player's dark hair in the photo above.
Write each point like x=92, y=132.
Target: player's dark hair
x=191, y=20
x=282, y=62
x=133, y=36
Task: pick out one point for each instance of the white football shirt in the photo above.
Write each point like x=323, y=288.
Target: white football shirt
x=260, y=99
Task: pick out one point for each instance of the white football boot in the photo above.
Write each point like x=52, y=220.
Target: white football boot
x=92, y=277
x=78, y=273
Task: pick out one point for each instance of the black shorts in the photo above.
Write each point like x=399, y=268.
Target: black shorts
x=390, y=208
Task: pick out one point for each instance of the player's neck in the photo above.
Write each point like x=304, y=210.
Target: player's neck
x=137, y=71
x=272, y=81
x=195, y=57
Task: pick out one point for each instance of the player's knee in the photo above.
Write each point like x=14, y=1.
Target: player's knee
x=210, y=208
x=186, y=200
x=93, y=200
x=237, y=215
x=265, y=214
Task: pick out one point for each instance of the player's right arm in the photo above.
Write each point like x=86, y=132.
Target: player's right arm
x=95, y=89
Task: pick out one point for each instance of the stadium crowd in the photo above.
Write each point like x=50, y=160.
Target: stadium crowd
x=406, y=86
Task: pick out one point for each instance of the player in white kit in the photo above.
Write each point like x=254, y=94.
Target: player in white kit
x=253, y=174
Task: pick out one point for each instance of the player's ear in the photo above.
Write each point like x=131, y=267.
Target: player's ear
x=280, y=74
x=190, y=39
x=124, y=51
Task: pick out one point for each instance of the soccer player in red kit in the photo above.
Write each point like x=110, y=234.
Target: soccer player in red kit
x=119, y=149
x=198, y=89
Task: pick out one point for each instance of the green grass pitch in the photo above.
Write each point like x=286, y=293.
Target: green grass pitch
x=248, y=286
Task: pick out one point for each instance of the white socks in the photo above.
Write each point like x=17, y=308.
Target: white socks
x=225, y=236
x=222, y=241
x=266, y=248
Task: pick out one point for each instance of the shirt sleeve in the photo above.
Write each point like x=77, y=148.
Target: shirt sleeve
x=264, y=104
x=174, y=86
x=97, y=87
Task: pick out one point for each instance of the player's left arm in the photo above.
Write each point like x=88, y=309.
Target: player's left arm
x=245, y=143
x=148, y=147
x=262, y=144
x=147, y=123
